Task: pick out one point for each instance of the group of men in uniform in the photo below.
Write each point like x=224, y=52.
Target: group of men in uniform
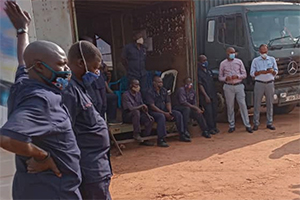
x=60, y=139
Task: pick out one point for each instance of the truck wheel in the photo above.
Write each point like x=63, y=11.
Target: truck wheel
x=279, y=110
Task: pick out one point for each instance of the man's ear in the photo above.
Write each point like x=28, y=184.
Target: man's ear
x=80, y=63
x=39, y=67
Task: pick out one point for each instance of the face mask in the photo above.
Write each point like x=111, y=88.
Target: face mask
x=188, y=86
x=232, y=56
x=58, y=79
x=264, y=56
x=140, y=41
x=136, y=89
x=89, y=77
x=205, y=64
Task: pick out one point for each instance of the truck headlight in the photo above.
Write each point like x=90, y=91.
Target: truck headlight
x=275, y=97
x=283, y=95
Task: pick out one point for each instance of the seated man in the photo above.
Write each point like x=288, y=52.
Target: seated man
x=161, y=110
x=136, y=112
x=186, y=104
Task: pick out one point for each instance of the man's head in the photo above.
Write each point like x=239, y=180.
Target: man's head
x=263, y=50
x=134, y=86
x=86, y=38
x=157, y=82
x=188, y=83
x=45, y=61
x=203, y=61
x=138, y=37
x=230, y=51
x=83, y=56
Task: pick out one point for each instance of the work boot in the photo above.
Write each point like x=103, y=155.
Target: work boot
x=187, y=134
x=271, y=127
x=249, y=130
x=183, y=138
x=255, y=128
x=231, y=130
x=206, y=134
x=212, y=132
x=137, y=137
x=216, y=130
x=147, y=143
x=162, y=143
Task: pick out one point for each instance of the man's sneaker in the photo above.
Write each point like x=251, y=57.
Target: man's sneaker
x=137, y=137
x=231, y=130
x=183, y=138
x=212, y=132
x=147, y=143
x=249, y=130
x=255, y=128
x=206, y=134
x=271, y=127
x=162, y=143
x=187, y=134
x=216, y=130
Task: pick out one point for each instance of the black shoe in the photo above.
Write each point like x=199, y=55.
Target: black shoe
x=231, y=130
x=147, y=143
x=255, y=128
x=183, y=138
x=206, y=134
x=271, y=127
x=137, y=137
x=249, y=130
x=212, y=132
x=187, y=134
x=216, y=130
x=162, y=143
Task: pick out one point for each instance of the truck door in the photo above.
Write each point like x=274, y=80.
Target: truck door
x=222, y=32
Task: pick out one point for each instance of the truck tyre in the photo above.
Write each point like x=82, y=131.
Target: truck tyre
x=279, y=110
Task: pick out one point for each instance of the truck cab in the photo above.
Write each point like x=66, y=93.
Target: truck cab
x=245, y=26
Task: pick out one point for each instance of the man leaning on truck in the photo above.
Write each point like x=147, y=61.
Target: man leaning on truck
x=263, y=69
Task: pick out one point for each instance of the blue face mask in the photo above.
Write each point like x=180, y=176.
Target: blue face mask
x=205, y=64
x=58, y=79
x=232, y=56
x=89, y=77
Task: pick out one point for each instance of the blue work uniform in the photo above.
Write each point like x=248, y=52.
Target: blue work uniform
x=97, y=92
x=205, y=78
x=37, y=115
x=93, y=140
x=136, y=59
x=160, y=99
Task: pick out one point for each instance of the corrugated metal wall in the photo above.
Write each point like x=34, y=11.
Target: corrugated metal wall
x=201, y=9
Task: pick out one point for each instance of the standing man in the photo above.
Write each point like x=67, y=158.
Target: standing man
x=232, y=72
x=263, y=69
x=136, y=112
x=134, y=58
x=38, y=129
x=89, y=127
x=186, y=104
x=161, y=110
x=208, y=95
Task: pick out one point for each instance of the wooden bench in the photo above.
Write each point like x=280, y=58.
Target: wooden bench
x=127, y=128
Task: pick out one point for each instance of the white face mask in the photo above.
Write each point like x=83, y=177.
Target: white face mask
x=140, y=41
x=264, y=56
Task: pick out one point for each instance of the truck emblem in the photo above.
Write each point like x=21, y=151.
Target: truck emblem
x=292, y=68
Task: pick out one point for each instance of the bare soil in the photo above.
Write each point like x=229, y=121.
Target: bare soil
x=264, y=165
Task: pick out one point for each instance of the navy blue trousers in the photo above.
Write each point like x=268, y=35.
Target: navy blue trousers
x=96, y=191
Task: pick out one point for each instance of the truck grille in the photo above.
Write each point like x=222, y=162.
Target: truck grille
x=288, y=70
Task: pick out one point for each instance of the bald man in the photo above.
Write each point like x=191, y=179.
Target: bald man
x=232, y=72
x=89, y=127
x=38, y=129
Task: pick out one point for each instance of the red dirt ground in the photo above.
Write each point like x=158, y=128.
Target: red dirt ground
x=264, y=165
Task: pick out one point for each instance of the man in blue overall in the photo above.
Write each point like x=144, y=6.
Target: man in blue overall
x=134, y=60
x=89, y=127
x=38, y=129
x=161, y=110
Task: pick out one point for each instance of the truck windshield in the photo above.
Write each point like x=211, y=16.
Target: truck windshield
x=276, y=28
